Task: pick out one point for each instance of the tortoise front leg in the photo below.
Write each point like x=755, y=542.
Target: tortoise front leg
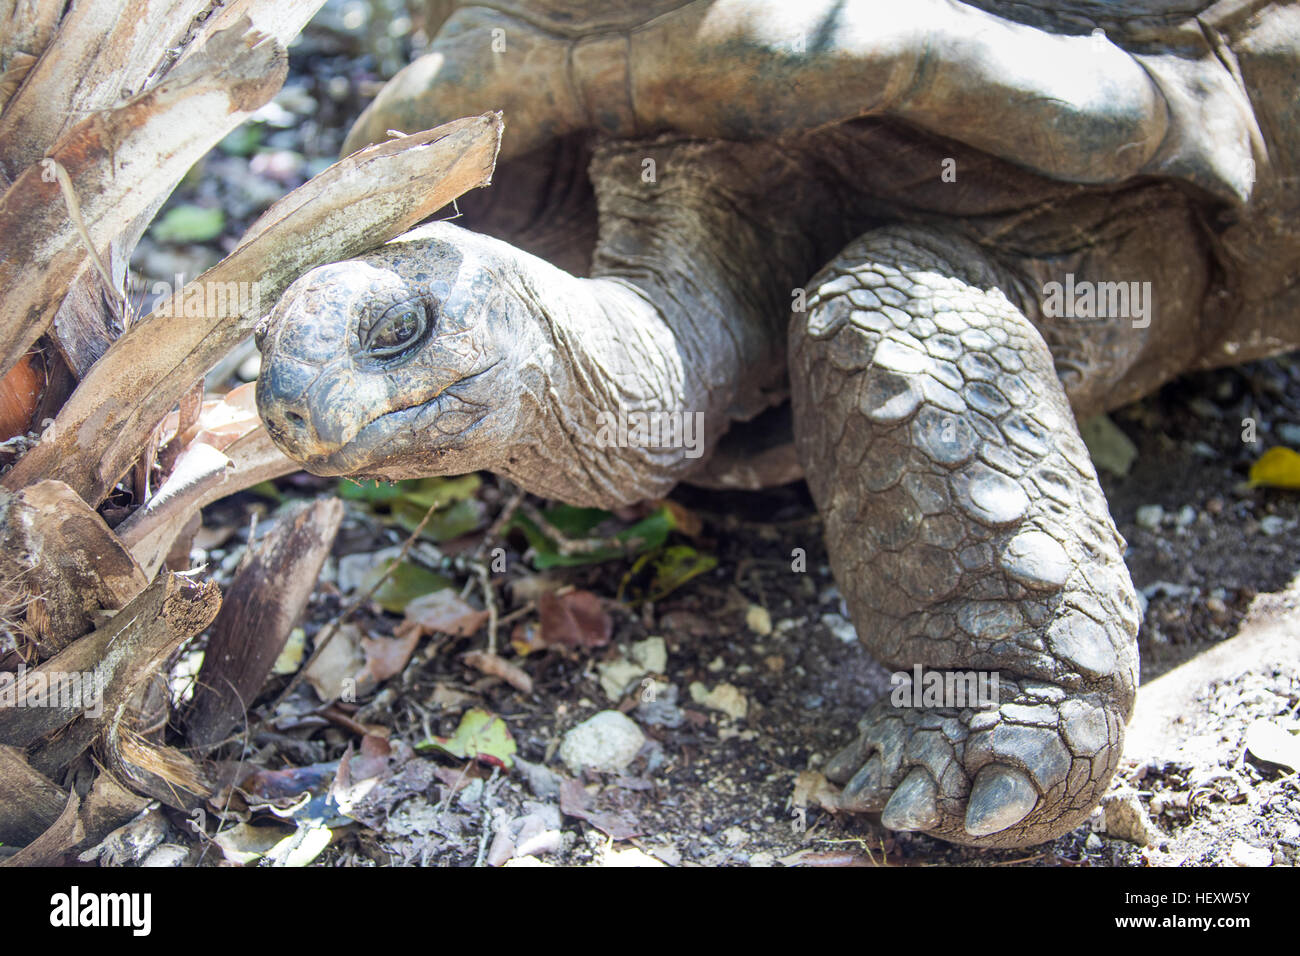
x=967, y=532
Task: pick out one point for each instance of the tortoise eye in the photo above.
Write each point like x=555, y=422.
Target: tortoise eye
x=396, y=331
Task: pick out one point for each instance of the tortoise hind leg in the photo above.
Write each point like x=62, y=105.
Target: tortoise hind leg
x=968, y=533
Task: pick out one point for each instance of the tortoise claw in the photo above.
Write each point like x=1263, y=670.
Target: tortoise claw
x=1001, y=798
x=913, y=805
x=863, y=792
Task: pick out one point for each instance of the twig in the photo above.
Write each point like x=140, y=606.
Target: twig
x=488, y=793
x=489, y=599
x=570, y=546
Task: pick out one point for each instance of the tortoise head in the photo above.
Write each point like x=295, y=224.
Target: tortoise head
x=401, y=363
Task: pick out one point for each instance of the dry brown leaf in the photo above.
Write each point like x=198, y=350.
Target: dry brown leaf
x=442, y=612
x=387, y=656
x=575, y=619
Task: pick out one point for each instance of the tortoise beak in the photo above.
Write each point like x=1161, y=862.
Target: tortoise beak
x=311, y=420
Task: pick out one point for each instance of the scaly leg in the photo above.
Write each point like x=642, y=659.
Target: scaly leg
x=967, y=531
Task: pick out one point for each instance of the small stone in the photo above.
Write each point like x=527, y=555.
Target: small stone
x=606, y=743
x=758, y=620
x=1272, y=525
x=1186, y=515
x=652, y=654
x=617, y=676
x=629, y=857
x=841, y=628
x=1242, y=853
x=1270, y=742
x=471, y=795
x=1093, y=843
x=542, y=781
x=1126, y=818
x=735, y=836
x=658, y=707
x=1150, y=517
x=725, y=698
x=1288, y=433
x=355, y=568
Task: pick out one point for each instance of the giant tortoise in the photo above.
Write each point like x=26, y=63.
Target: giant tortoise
x=940, y=232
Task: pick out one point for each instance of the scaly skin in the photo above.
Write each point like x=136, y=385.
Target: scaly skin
x=967, y=532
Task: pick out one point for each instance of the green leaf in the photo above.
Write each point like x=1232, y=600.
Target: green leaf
x=267, y=489
x=670, y=568
x=189, y=223
x=573, y=522
x=407, y=582
x=481, y=735
x=1277, y=468
x=578, y=523
x=429, y=493
x=371, y=492
x=420, y=492
x=677, y=565
x=459, y=519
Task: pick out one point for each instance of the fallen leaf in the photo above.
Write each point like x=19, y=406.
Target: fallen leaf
x=576, y=802
x=301, y=847
x=286, y=786
x=827, y=858
x=455, y=510
x=670, y=568
x=481, y=735
x=1277, y=468
x=443, y=612
x=340, y=661
x=684, y=520
x=244, y=843
x=406, y=583
x=812, y=789
x=387, y=656
x=584, y=524
x=575, y=619
x=292, y=654
x=456, y=520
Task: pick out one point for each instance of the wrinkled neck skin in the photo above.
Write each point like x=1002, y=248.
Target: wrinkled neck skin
x=642, y=369
x=604, y=352
x=701, y=249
